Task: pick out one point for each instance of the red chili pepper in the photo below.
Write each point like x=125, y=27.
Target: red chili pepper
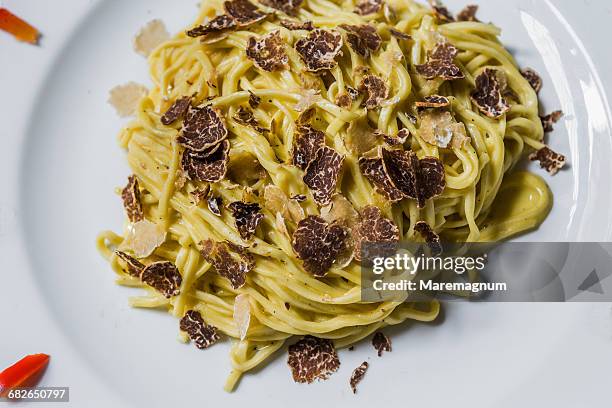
x=18, y=27
x=23, y=373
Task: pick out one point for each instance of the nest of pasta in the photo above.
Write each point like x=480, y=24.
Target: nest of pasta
x=282, y=136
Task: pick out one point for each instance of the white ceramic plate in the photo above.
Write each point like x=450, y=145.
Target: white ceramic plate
x=60, y=164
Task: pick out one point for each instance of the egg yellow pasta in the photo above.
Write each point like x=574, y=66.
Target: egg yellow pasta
x=484, y=200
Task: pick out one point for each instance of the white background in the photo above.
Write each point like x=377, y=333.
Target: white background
x=60, y=163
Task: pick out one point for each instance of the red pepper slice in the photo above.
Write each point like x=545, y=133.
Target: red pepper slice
x=20, y=29
x=23, y=373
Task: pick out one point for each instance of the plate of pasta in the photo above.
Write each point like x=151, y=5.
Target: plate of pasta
x=196, y=187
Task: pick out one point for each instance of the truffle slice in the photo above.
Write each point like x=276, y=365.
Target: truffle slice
x=307, y=141
x=354, y=93
x=365, y=7
x=229, y=260
x=244, y=12
x=277, y=202
x=357, y=375
x=468, y=13
x=290, y=7
x=549, y=160
x=312, y=358
x=297, y=25
x=131, y=200
x=214, y=205
x=217, y=25
x=441, y=12
x=242, y=314
x=376, y=90
x=373, y=228
x=340, y=211
x=488, y=94
x=125, y=98
x=533, y=78
x=134, y=266
x=321, y=174
x=373, y=169
x=400, y=174
x=444, y=51
x=176, y=111
x=398, y=139
x=432, y=101
x=308, y=98
x=268, y=53
x=247, y=216
x=431, y=179
x=439, y=128
x=431, y=238
x=306, y=116
x=381, y=343
x=245, y=117
x=319, y=49
x=205, y=166
x=344, y=100
x=254, y=100
x=203, y=128
x=549, y=120
x=200, y=194
x=150, y=37
x=143, y=237
x=440, y=63
x=164, y=277
x=318, y=244
x=202, y=334
x=399, y=34
x=402, y=168
x=363, y=39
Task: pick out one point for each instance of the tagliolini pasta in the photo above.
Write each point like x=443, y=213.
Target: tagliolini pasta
x=281, y=135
